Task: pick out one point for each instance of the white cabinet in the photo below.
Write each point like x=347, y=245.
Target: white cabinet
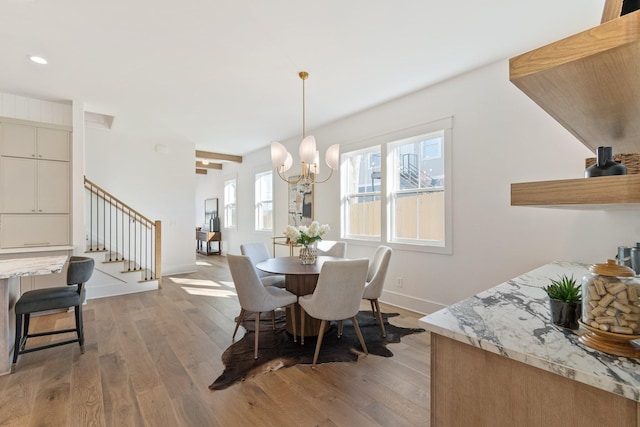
x=23, y=140
x=34, y=184
x=34, y=230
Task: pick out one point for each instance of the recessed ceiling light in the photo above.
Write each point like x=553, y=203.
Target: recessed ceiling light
x=38, y=59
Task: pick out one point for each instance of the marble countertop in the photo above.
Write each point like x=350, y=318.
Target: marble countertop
x=513, y=320
x=32, y=266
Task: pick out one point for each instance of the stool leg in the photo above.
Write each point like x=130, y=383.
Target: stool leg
x=16, y=349
x=79, y=327
x=25, y=330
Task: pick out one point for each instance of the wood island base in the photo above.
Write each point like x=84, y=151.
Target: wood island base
x=474, y=387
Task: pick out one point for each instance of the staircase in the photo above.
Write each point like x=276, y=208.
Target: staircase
x=125, y=244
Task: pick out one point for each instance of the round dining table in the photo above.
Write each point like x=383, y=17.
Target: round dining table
x=300, y=279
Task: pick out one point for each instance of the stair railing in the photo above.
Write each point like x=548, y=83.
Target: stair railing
x=123, y=233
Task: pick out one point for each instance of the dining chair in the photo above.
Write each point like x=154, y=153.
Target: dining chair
x=256, y=298
x=337, y=297
x=79, y=271
x=376, y=275
x=259, y=252
x=332, y=248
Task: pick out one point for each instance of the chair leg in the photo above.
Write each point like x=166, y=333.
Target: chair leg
x=384, y=332
x=240, y=319
x=78, y=315
x=359, y=333
x=340, y=329
x=273, y=319
x=319, y=343
x=373, y=310
x=302, y=313
x=255, y=353
x=16, y=348
x=25, y=330
x=292, y=310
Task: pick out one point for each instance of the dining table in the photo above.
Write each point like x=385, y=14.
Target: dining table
x=300, y=279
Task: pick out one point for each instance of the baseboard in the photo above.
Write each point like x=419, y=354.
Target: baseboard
x=417, y=305
x=114, y=289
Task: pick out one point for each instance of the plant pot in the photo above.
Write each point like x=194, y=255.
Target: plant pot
x=565, y=314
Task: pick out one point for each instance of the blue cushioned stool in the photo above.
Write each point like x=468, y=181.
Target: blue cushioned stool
x=72, y=295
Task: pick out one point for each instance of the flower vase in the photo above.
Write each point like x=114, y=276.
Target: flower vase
x=308, y=254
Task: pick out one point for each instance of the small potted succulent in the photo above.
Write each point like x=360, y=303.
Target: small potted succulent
x=565, y=302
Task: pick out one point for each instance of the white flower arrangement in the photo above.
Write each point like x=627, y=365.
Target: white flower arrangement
x=306, y=235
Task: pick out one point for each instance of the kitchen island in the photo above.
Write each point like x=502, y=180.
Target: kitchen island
x=10, y=272
x=497, y=360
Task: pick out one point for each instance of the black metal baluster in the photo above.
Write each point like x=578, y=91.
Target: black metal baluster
x=110, y=229
x=90, y=218
x=129, y=244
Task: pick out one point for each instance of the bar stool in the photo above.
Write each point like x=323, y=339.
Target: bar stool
x=72, y=295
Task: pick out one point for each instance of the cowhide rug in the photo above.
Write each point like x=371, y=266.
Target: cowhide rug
x=277, y=350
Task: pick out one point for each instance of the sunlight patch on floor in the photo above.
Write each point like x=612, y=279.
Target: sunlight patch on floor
x=220, y=293
x=197, y=282
x=204, y=263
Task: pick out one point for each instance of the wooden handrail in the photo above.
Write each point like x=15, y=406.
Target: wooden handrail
x=112, y=197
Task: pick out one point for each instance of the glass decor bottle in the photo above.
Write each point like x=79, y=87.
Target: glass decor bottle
x=605, y=165
x=308, y=254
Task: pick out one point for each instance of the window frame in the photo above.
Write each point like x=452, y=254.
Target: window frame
x=259, y=202
x=233, y=217
x=345, y=197
x=385, y=141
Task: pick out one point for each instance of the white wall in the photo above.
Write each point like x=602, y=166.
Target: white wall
x=208, y=186
x=160, y=185
x=499, y=137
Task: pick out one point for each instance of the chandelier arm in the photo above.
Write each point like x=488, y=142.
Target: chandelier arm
x=284, y=178
x=324, y=180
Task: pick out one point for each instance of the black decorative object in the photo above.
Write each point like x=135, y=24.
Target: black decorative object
x=605, y=165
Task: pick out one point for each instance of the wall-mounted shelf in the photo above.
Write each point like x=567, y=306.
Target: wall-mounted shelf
x=581, y=193
x=590, y=84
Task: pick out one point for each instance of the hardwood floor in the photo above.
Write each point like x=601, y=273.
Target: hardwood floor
x=149, y=358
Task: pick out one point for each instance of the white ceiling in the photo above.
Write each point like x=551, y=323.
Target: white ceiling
x=223, y=75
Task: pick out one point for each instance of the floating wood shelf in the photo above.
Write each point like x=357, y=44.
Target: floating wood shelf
x=581, y=193
x=590, y=84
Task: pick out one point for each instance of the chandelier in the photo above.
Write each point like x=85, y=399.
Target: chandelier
x=309, y=156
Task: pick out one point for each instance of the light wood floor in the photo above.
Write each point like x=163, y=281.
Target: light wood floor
x=150, y=357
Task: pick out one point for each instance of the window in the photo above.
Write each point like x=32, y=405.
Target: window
x=230, y=216
x=361, y=198
x=264, y=201
x=396, y=189
x=416, y=190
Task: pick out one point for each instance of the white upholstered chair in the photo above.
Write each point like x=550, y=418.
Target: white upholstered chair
x=259, y=252
x=375, y=281
x=332, y=248
x=337, y=297
x=256, y=298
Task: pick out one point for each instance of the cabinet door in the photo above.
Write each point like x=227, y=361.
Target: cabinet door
x=17, y=140
x=53, y=144
x=18, y=185
x=53, y=186
x=29, y=230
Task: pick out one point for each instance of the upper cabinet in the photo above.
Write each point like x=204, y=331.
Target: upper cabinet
x=589, y=83
x=32, y=142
